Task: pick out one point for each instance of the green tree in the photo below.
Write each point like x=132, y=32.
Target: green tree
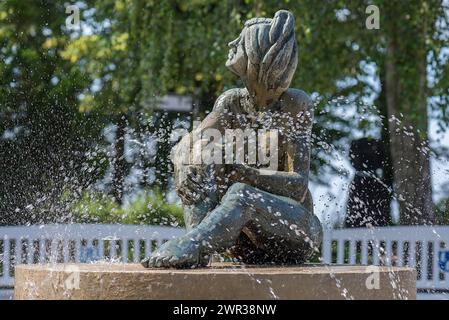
x=109, y=55
x=141, y=49
x=336, y=47
x=43, y=138
x=408, y=44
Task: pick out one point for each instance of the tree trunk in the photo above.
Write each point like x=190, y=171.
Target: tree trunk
x=119, y=161
x=388, y=176
x=405, y=77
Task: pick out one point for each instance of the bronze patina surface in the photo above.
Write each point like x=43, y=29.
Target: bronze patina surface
x=258, y=215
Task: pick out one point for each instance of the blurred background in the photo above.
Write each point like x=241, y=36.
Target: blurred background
x=88, y=105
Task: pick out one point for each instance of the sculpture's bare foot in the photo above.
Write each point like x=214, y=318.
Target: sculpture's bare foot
x=177, y=253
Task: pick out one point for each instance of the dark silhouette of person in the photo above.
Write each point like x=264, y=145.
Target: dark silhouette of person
x=369, y=193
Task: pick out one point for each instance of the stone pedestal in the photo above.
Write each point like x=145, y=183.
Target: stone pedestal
x=132, y=281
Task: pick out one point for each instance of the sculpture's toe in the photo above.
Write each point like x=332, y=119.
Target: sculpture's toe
x=149, y=262
x=173, y=261
x=180, y=253
x=158, y=262
x=145, y=262
x=165, y=261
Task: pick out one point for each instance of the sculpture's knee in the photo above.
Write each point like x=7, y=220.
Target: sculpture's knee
x=236, y=193
x=238, y=187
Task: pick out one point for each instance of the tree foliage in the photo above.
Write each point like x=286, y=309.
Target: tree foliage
x=43, y=137
x=60, y=87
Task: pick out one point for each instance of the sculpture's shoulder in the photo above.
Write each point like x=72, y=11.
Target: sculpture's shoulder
x=296, y=101
x=228, y=101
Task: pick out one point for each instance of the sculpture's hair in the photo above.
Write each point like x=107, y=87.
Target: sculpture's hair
x=270, y=45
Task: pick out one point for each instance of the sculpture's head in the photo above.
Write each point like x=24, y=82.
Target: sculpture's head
x=265, y=56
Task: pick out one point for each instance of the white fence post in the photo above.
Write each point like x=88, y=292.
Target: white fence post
x=6, y=258
x=136, y=252
x=326, y=247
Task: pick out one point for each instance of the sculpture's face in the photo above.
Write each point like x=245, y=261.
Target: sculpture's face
x=236, y=57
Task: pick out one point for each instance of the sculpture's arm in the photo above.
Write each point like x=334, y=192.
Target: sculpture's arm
x=187, y=174
x=185, y=145
x=287, y=184
x=188, y=178
x=293, y=181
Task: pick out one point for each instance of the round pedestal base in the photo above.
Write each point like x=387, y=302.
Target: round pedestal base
x=235, y=282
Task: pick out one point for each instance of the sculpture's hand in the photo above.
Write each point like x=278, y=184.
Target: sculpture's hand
x=287, y=184
x=238, y=172
x=191, y=188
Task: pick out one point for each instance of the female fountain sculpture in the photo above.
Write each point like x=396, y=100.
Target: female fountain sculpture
x=256, y=215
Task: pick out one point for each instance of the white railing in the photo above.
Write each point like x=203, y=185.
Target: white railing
x=77, y=243
x=425, y=248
